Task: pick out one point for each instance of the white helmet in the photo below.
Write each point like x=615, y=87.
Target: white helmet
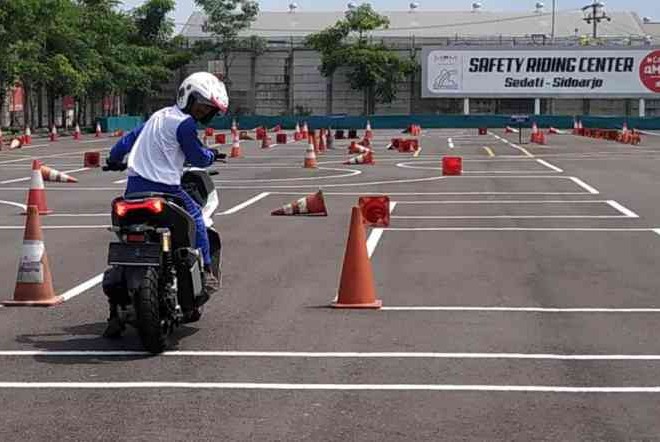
x=205, y=88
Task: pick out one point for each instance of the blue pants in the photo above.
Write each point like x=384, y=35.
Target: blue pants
x=138, y=184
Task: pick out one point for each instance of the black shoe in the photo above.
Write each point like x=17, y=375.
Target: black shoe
x=210, y=282
x=114, y=329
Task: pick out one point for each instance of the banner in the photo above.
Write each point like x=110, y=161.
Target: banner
x=584, y=73
x=16, y=99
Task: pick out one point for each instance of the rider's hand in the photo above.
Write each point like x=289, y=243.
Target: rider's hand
x=217, y=155
x=114, y=165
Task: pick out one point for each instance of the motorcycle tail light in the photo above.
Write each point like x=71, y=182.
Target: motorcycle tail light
x=152, y=205
x=135, y=237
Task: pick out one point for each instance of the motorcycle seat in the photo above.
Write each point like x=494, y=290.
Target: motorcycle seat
x=169, y=197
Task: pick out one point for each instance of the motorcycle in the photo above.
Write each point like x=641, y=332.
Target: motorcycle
x=154, y=282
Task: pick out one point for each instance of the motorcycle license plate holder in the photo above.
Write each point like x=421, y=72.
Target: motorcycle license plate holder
x=142, y=255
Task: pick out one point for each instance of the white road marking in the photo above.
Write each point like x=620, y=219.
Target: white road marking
x=584, y=185
x=507, y=202
x=11, y=203
x=330, y=355
x=245, y=204
x=520, y=229
x=325, y=387
x=450, y=143
x=347, y=173
x=626, y=212
x=81, y=288
x=548, y=165
x=515, y=146
x=352, y=184
x=413, y=308
x=511, y=216
x=375, y=235
x=77, y=215
x=121, y=181
x=41, y=157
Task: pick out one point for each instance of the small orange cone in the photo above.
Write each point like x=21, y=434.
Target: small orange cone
x=235, y=148
x=265, y=141
x=49, y=174
x=27, y=139
x=53, y=133
x=322, y=147
x=76, y=132
x=365, y=158
x=37, y=193
x=305, y=130
x=355, y=148
x=16, y=143
x=553, y=131
x=234, y=127
x=98, y=130
x=34, y=284
x=310, y=155
x=356, y=286
x=313, y=204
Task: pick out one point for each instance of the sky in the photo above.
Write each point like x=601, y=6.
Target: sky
x=650, y=8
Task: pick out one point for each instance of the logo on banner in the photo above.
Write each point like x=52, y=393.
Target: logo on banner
x=446, y=72
x=649, y=71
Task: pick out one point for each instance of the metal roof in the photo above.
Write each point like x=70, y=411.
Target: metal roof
x=436, y=24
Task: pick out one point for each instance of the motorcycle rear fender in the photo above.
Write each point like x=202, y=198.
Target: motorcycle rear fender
x=133, y=276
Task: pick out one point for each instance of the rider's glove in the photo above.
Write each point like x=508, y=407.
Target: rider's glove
x=217, y=155
x=115, y=165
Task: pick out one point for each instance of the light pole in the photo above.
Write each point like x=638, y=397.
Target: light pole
x=554, y=15
x=595, y=13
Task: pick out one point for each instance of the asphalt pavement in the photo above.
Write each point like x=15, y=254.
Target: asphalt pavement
x=520, y=301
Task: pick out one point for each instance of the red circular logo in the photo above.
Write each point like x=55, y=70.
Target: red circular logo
x=649, y=71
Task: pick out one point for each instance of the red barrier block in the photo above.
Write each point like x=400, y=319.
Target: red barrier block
x=281, y=138
x=208, y=131
x=220, y=139
x=452, y=166
x=92, y=159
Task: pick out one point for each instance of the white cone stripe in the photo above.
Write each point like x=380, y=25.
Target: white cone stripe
x=37, y=180
x=302, y=205
x=288, y=209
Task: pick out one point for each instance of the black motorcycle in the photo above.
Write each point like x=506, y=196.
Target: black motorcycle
x=155, y=279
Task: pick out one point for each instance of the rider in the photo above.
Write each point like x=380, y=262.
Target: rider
x=158, y=150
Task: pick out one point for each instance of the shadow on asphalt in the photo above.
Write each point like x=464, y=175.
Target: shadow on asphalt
x=87, y=337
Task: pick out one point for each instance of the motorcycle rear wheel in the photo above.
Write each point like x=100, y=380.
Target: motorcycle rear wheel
x=151, y=324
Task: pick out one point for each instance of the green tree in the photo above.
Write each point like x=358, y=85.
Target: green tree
x=373, y=68
x=226, y=19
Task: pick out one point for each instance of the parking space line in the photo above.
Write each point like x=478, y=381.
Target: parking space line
x=325, y=387
x=19, y=180
x=506, y=202
x=376, y=234
x=245, y=204
x=83, y=287
x=102, y=226
x=330, y=355
x=584, y=185
x=11, y=203
x=548, y=165
x=487, y=309
x=521, y=229
x=489, y=151
x=626, y=212
x=510, y=217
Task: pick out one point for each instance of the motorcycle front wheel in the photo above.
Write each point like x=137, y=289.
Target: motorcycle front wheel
x=152, y=325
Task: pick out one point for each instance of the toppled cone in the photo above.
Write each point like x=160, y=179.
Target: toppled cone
x=355, y=148
x=375, y=210
x=365, y=158
x=50, y=174
x=356, y=286
x=313, y=204
x=37, y=192
x=16, y=143
x=34, y=284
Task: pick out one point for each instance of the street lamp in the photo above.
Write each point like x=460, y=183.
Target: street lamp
x=594, y=14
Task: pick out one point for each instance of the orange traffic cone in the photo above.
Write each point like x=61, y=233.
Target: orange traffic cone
x=305, y=130
x=310, y=155
x=76, y=132
x=322, y=148
x=16, y=143
x=356, y=286
x=553, y=131
x=365, y=158
x=49, y=174
x=368, y=134
x=355, y=148
x=34, y=284
x=535, y=133
x=235, y=148
x=98, y=130
x=625, y=127
x=53, y=133
x=510, y=130
x=265, y=141
x=37, y=193
x=313, y=204
x=234, y=127
x=27, y=139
